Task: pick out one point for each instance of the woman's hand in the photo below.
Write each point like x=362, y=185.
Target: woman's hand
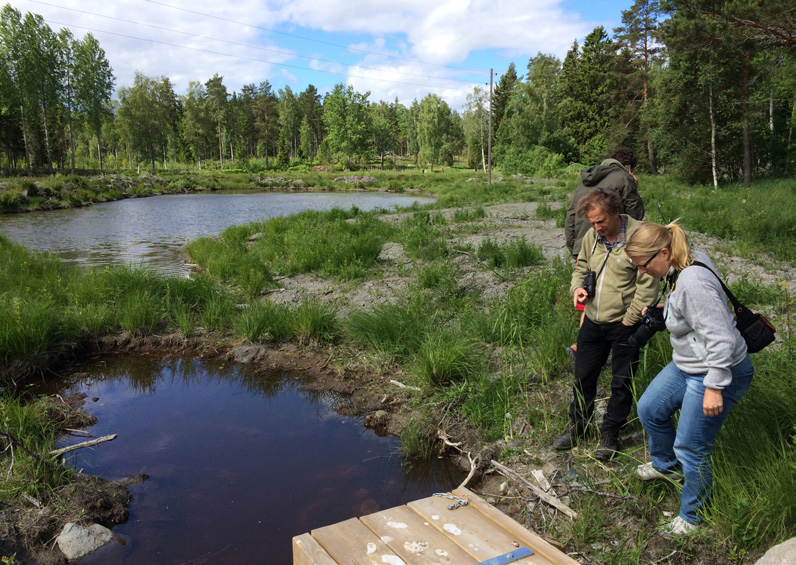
x=712, y=402
x=580, y=296
x=644, y=311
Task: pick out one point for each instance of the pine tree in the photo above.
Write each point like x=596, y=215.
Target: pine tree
x=639, y=35
x=500, y=100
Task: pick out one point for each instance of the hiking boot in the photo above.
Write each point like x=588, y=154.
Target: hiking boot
x=566, y=441
x=678, y=527
x=647, y=472
x=609, y=446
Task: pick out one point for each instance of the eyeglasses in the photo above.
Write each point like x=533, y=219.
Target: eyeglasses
x=644, y=266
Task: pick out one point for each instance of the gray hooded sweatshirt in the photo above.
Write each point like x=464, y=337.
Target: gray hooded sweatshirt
x=702, y=326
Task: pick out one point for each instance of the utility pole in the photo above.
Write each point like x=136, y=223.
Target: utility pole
x=489, y=152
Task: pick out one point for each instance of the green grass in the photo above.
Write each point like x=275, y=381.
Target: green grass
x=28, y=434
x=447, y=356
x=513, y=255
x=343, y=245
x=756, y=219
x=46, y=305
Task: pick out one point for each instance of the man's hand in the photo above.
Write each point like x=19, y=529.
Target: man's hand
x=580, y=296
x=712, y=402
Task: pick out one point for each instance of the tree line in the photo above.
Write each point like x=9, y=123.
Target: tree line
x=702, y=88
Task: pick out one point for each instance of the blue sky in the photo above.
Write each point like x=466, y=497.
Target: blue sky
x=401, y=50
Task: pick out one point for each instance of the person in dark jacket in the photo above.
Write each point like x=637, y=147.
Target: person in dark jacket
x=613, y=174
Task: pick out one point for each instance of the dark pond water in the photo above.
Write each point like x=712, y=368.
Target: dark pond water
x=239, y=462
x=154, y=230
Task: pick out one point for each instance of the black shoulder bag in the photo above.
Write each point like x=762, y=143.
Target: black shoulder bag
x=756, y=331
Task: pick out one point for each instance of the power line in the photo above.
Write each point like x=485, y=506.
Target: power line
x=314, y=40
x=251, y=58
x=244, y=44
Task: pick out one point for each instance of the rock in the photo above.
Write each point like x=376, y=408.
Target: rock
x=356, y=179
x=377, y=420
x=75, y=540
x=247, y=354
x=392, y=253
x=782, y=554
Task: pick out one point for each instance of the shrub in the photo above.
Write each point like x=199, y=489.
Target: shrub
x=537, y=161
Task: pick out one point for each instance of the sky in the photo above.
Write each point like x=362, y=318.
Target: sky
x=402, y=50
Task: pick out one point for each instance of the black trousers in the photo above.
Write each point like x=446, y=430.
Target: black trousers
x=595, y=342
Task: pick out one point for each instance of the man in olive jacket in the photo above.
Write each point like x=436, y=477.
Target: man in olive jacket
x=612, y=315
x=613, y=174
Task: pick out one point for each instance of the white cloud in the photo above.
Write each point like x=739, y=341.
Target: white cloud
x=422, y=38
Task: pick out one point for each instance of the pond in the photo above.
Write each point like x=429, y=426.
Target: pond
x=154, y=230
x=239, y=461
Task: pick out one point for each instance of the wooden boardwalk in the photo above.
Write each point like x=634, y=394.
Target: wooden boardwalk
x=427, y=532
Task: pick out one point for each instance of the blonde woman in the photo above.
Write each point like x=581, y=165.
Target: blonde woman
x=709, y=373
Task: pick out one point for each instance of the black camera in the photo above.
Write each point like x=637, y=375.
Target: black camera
x=651, y=323
x=590, y=282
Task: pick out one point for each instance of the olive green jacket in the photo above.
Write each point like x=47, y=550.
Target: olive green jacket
x=621, y=291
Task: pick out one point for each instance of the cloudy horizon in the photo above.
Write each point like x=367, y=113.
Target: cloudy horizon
x=402, y=51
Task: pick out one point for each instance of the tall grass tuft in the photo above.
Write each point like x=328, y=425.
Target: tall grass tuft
x=530, y=304
x=28, y=435
x=140, y=312
x=515, y=254
x=416, y=442
x=315, y=321
x=754, y=494
x=447, y=356
x=390, y=328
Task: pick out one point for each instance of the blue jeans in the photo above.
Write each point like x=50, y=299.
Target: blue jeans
x=690, y=444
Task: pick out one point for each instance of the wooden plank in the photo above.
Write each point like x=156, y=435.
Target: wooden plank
x=523, y=534
x=307, y=551
x=414, y=539
x=352, y=543
x=482, y=539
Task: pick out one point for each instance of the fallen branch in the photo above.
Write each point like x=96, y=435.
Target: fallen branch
x=89, y=443
x=473, y=467
x=543, y=482
x=552, y=501
x=402, y=385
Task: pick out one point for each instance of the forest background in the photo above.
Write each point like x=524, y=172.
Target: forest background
x=701, y=89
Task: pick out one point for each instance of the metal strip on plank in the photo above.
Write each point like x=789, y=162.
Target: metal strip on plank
x=509, y=557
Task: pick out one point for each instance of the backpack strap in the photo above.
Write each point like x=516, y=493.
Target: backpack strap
x=738, y=306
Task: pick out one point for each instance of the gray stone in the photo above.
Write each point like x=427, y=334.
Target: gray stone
x=782, y=554
x=248, y=354
x=75, y=540
x=392, y=252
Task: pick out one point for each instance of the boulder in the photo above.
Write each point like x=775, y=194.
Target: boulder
x=75, y=540
x=782, y=554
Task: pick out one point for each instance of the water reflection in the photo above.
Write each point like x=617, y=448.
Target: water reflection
x=239, y=461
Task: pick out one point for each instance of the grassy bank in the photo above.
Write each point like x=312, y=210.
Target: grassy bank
x=492, y=363
x=499, y=365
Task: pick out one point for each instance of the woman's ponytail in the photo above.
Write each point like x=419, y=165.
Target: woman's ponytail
x=679, y=247
x=650, y=238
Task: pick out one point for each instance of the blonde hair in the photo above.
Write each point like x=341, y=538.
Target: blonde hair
x=649, y=238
